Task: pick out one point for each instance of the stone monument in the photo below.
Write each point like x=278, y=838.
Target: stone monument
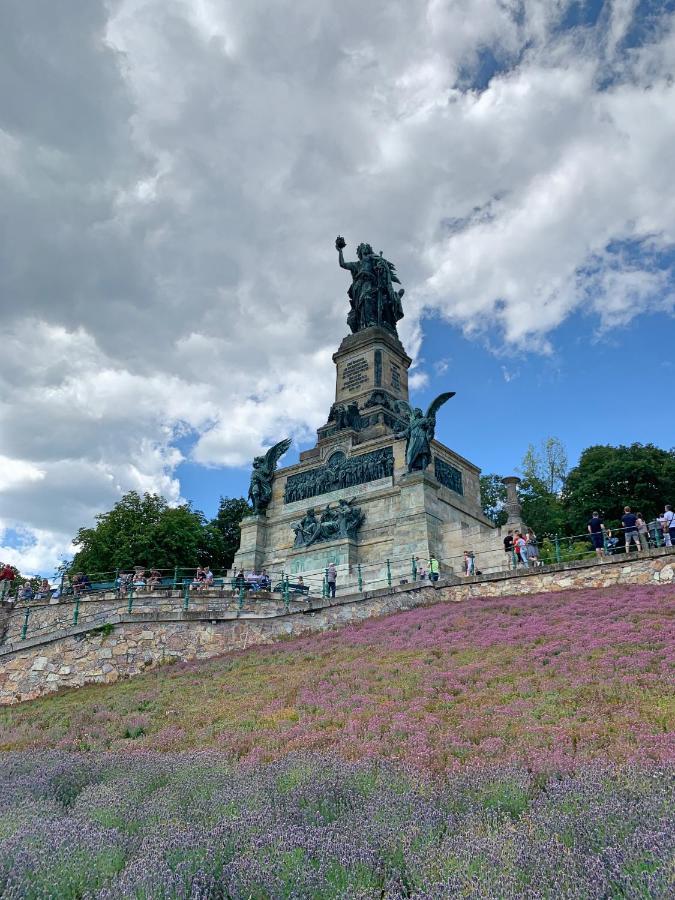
x=377, y=486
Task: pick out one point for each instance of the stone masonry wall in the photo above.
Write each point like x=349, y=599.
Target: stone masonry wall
x=126, y=644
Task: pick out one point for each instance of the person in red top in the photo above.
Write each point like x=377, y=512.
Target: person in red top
x=6, y=579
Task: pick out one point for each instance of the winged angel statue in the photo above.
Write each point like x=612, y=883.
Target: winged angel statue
x=419, y=431
x=260, y=489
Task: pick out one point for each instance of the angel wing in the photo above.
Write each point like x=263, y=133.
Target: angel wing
x=275, y=453
x=404, y=410
x=438, y=402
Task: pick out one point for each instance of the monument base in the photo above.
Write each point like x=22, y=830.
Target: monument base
x=251, y=553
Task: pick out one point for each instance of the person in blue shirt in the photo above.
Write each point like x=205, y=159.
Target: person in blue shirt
x=629, y=522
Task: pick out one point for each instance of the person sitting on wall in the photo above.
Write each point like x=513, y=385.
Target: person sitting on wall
x=139, y=581
x=240, y=580
x=44, y=591
x=208, y=577
x=199, y=580
x=265, y=581
x=153, y=580
x=434, y=568
x=25, y=592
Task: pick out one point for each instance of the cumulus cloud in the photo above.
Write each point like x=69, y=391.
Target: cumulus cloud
x=174, y=173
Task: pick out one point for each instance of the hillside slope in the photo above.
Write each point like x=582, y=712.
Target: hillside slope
x=547, y=680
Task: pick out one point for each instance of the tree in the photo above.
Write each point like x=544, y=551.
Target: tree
x=543, y=476
x=493, y=498
x=607, y=478
x=546, y=465
x=231, y=510
x=143, y=531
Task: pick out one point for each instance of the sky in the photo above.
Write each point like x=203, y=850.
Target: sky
x=173, y=174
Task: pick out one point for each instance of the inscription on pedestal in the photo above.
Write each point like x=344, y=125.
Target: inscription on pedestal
x=355, y=374
x=395, y=377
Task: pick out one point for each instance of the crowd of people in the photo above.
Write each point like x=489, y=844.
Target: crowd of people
x=634, y=530
x=522, y=549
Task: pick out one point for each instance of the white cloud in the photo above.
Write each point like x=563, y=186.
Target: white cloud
x=174, y=173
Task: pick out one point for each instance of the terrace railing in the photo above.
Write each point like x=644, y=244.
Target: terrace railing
x=177, y=591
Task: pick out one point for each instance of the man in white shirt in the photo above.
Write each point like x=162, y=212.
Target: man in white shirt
x=668, y=519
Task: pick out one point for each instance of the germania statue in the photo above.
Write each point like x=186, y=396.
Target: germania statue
x=419, y=431
x=372, y=295
x=260, y=489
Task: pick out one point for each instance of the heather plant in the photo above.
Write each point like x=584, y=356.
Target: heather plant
x=150, y=825
x=546, y=681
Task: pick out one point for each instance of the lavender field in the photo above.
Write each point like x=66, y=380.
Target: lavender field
x=515, y=747
x=191, y=825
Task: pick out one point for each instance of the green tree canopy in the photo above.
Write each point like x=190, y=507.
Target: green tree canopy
x=142, y=531
x=641, y=476
x=493, y=498
x=231, y=510
x=146, y=531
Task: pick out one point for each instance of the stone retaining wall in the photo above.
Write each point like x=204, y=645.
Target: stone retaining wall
x=109, y=643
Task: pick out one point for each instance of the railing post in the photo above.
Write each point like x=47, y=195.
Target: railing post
x=557, y=549
x=186, y=596
x=287, y=598
x=389, y=573
x=131, y=597
x=241, y=597
x=414, y=569
x=76, y=610
x=25, y=624
x=514, y=560
x=175, y=577
x=604, y=542
x=358, y=568
x=324, y=592
x=657, y=536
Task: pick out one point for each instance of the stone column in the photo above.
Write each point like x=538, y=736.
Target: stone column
x=251, y=552
x=512, y=504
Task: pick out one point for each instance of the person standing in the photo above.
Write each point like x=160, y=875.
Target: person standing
x=521, y=549
x=532, y=547
x=469, y=563
x=643, y=531
x=629, y=522
x=669, y=526
x=434, y=568
x=331, y=579
x=6, y=579
x=508, y=549
x=596, y=529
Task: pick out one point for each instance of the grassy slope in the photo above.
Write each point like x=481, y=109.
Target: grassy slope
x=546, y=679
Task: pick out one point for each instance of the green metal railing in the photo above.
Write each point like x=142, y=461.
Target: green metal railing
x=365, y=576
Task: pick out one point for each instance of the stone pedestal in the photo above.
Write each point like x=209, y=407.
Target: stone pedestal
x=368, y=361
x=312, y=562
x=418, y=528
x=251, y=553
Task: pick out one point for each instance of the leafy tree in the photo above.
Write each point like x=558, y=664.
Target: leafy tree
x=493, y=498
x=231, y=510
x=143, y=531
x=607, y=478
x=543, y=475
x=546, y=466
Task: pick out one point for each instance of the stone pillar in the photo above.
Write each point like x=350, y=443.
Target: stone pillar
x=251, y=553
x=512, y=504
